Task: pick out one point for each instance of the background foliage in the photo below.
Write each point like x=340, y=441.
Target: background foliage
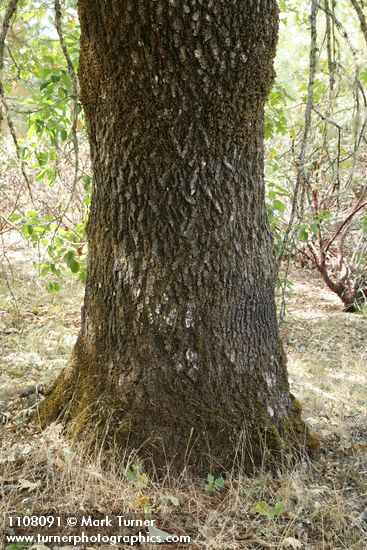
x=315, y=142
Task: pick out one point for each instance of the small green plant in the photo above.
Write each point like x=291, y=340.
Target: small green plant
x=137, y=477
x=262, y=508
x=214, y=485
x=249, y=491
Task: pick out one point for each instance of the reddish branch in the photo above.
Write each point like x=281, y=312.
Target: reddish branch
x=344, y=225
x=343, y=286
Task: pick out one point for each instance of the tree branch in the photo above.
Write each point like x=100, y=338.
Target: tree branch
x=301, y=172
x=17, y=148
x=345, y=223
x=75, y=94
x=9, y=12
x=361, y=17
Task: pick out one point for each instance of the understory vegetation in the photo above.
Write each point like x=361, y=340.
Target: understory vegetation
x=315, y=132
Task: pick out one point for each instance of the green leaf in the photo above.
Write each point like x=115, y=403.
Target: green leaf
x=314, y=228
x=219, y=483
x=364, y=225
x=132, y=474
x=83, y=276
x=15, y=217
x=43, y=73
x=54, y=269
x=210, y=478
x=269, y=130
x=26, y=230
x=303, y=235
x=41, y=175
x=31, y=131
x=44, y=268
x=28, y=16
x=277, y=510
x=279, y=205
x=66, y=81
x=214, y=484
x=53, y=287
x=262, y=508
x=74, y=266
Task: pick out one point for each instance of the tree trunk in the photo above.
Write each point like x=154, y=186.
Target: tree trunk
x=178, y=354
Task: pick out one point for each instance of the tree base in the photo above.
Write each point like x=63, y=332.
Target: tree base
x=186, y=436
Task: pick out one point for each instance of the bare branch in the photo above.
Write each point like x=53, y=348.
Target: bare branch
x=17, y=148
x=301, y=172
x=345, y=223
x=331, y=60
x=361, y=17
x=75, y=94
x=10, y=10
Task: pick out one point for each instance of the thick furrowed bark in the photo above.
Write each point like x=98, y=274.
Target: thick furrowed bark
x=179, y=341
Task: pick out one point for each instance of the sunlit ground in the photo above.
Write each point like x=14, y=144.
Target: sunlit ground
x=324, y=502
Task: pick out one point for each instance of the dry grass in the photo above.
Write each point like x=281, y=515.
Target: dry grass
x=324, y=502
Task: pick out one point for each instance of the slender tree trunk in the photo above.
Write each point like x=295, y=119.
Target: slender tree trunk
x=179, y=353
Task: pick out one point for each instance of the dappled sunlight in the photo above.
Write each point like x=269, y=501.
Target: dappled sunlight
x=328, y=375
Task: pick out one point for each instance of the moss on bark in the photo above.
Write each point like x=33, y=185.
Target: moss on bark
x=179, y=357
x=233, y=439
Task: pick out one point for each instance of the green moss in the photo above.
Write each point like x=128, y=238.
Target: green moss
x=298, y=431
x=74, y=390
x=235, y=437
x=99, y=421
x=52, y=406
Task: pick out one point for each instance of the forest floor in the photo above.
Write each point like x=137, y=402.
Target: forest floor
x=318, y=506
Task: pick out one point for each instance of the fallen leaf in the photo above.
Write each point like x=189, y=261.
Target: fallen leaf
x=291, y=542
x=173, y=500
x=155, y=532
x=30, y=485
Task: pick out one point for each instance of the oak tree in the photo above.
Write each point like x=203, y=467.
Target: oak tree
x=178, y=356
